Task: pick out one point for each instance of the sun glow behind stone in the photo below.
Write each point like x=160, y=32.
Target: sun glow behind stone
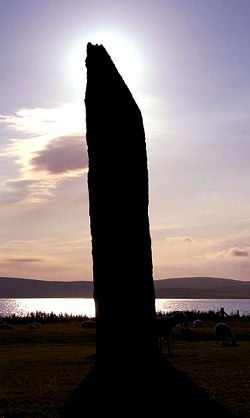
x=124, y=54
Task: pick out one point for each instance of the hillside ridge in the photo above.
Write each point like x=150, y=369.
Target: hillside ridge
x=182, y=287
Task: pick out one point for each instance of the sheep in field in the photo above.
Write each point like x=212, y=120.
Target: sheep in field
x=3, y=325
x=163, y=327
x=34, y=325
x=224, y=333
x=197, y=323
x=89, y=323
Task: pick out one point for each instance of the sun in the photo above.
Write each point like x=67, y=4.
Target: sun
x=125, y=55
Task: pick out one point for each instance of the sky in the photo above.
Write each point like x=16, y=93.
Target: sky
x=187, y=64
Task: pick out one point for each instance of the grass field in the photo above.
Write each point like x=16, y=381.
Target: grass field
x=40, y=368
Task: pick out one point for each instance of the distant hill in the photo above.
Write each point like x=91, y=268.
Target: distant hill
x=202, y=288
x=184, y=287
x=30, y=288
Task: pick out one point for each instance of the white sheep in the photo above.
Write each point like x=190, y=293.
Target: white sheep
x=224, y=333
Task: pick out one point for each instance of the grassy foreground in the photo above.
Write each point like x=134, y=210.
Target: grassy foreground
x=223, y=372
x=39, y=368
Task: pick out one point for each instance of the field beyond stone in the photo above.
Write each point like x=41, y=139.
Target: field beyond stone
x=39, y=368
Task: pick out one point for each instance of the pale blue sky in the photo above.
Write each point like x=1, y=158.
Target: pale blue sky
x=187, y=64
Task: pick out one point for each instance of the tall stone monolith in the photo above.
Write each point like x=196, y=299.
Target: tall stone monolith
x=119, y=221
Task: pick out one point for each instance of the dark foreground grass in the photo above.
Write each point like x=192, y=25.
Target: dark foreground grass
x=40, y=368
x=222, y=372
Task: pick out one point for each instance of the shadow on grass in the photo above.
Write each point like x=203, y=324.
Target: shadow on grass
x=160, y=389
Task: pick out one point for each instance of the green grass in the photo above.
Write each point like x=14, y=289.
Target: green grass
x=40, y=368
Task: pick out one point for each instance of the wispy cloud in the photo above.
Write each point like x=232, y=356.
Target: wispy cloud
x=242, y=221
x=13, y=260
x=188, y=239
x=49, y=122
x=231, y=253
x=237, y=252
x=18, y=191
x=46, y=145
x=48, y=258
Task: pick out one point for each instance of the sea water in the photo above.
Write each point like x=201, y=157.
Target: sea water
x=86, y=306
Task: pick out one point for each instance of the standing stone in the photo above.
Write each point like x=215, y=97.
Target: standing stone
x=118, y=206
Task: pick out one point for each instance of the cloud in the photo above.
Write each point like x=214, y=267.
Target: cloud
x=13, y=260
x=230, y=253
x=187, y=239
x=161, y=232
x=61, y=155
x=242, y=221
x=44, y=147
x=236, y=252
x=45, y=169
x=179, y=239
x=49, y=122
x=18, y=191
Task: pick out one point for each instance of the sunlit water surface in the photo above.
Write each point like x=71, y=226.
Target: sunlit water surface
x=82, y=306
x=231, y=306
x=21, y=307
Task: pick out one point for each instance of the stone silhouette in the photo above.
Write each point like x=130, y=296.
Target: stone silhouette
x=118, y=206
x=131, y=377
